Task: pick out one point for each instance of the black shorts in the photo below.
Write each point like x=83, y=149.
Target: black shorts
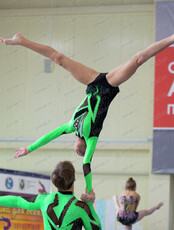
x=127, y=221
x=102, y=82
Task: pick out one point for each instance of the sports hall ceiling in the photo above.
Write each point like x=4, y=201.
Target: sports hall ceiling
x=27, y=4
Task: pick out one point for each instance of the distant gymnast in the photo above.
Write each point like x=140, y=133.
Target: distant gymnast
x=126, y=212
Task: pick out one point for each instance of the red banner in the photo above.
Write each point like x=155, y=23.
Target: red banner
x=164, y=89
x=163, y=131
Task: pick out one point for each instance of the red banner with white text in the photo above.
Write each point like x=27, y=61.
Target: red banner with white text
x=164, y=89
x=163, y=130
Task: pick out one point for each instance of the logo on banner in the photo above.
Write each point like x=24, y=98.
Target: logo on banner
x=9, y=183
x=42, y=190
x=7, y=221
x=22, y=184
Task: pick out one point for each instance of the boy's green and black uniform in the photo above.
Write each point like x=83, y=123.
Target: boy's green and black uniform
x=60, y=210
x=87, y=121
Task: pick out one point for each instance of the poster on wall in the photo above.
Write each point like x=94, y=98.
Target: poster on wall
x=163, y=131
x=26, y=185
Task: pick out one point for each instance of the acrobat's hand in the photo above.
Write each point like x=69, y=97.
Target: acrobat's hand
x=21, y=152
x=88, y=197
x=17, y=38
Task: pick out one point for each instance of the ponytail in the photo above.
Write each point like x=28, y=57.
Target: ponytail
x=130, y=184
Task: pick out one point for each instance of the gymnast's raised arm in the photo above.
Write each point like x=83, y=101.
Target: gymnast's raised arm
x=64, y=129
x=33, y=203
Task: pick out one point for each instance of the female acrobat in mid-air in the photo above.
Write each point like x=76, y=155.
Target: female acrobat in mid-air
x=87, y=120
x=129, y=200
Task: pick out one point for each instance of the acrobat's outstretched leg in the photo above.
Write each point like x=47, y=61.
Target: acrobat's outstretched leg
x=148, y=212
x=123, y=72
x=79, y=71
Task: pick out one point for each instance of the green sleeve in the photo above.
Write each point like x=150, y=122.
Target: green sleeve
x=19, y=202
x=91, y=144
x=66, y=128
x=92, y=221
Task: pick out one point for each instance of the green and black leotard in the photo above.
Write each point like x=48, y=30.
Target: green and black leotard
x=60, y=210
x=87, y=121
